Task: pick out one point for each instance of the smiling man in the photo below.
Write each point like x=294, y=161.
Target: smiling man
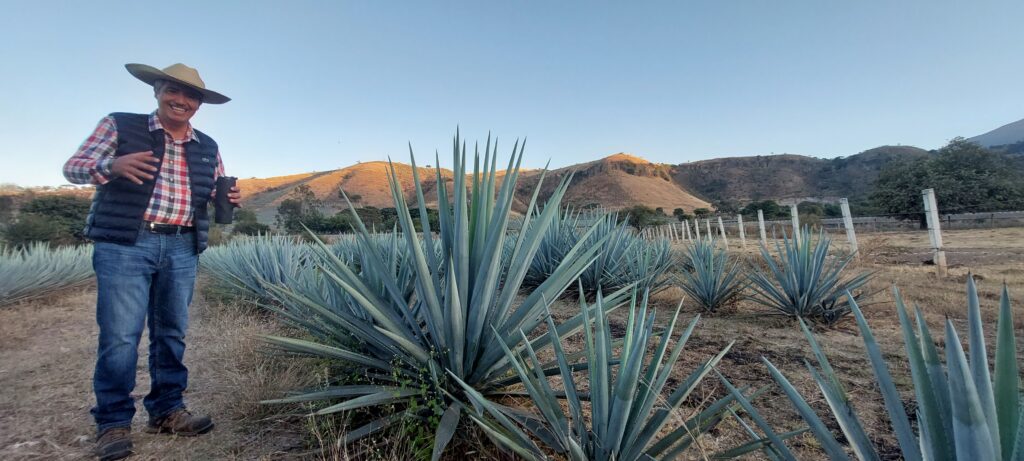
x=154, y=175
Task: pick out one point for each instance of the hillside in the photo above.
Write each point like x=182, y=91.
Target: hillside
x=787, y=176
x=365, y=183
x=1011, y=133
x=618, y=181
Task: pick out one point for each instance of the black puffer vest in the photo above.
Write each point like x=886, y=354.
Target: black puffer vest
x=118, y=206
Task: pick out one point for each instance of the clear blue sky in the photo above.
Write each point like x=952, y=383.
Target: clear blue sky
x=320, y=85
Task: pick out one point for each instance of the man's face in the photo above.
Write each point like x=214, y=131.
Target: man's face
x=177, y=103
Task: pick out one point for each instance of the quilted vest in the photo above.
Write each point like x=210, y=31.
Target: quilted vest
x=118, y=206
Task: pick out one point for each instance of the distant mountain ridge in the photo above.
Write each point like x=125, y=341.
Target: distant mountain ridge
x=1011, y=133
x=618, y=181
x=788, y=176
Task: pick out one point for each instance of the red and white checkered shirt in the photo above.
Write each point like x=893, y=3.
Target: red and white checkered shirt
x=171, y=201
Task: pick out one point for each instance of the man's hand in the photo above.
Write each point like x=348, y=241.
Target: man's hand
x=136, y=167
x=235, y=196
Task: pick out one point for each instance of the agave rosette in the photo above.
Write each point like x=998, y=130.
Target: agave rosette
x=465, y=307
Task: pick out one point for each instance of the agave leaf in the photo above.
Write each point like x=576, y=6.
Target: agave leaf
x=752, y=446
x=776, y=441
x=331, y=393
x=380, y=398
x=829, y=443
x=891, y=397
x=940, y=384
x=970, y=426
x=1007, y=379
x=446, y=429
x=931, y=413
x=979, y=363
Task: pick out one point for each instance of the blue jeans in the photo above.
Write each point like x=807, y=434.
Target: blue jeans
x=146, y=284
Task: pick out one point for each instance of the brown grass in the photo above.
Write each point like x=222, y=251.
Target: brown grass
x=47, y=350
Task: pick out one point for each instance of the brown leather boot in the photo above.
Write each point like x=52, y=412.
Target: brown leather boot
x=114, y=443
x=180, y=422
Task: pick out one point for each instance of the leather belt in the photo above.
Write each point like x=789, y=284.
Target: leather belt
x=158, y=228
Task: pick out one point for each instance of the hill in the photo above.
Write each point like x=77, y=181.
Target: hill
x=1011, y=133
x=618, y=181
x=366, y=184
x=788, y=177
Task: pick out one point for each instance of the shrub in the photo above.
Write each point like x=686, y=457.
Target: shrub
x=30, y=229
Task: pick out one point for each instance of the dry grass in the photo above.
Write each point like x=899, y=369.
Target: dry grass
x=47, y=350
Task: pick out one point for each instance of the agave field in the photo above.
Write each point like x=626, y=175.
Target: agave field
x=38, y=270
x=452, y=327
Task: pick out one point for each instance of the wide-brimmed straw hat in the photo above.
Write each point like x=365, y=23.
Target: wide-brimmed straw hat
x=177, y=73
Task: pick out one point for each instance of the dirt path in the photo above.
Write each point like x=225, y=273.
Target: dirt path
x=47, y=352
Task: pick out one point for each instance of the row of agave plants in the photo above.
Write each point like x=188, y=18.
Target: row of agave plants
x=447, y=327
x=803, y=282
x=38, y=270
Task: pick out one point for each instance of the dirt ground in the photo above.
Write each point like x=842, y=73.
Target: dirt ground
x=47, y=350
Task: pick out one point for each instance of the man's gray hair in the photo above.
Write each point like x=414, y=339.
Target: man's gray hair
x=158, y=84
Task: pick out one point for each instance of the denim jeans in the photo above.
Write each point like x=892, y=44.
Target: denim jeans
x=146, y=284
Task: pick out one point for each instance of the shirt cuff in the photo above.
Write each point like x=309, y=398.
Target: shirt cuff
x=104, y=170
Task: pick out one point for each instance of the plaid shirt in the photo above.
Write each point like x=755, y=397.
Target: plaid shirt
x=171, y=201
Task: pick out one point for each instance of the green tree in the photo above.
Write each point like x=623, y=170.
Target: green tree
x=245, y=215
x=680, y=214
x=702, y=212
x=966, y=178
x=640, y=216
x=301, y=207
x=58, y=219
x=769, y=209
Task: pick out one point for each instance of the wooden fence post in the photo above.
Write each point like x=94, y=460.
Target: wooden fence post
x=931, y=213
x=848, y=223
x=696, y=228
x=707, y=225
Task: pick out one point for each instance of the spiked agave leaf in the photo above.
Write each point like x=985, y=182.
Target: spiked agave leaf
x=711, y=279
x=806, y=283
x=963, y=413
x=628, y=413
x=464, y=309
x=38, y=270
x=250, y=263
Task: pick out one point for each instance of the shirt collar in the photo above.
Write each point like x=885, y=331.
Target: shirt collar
x=154, y=124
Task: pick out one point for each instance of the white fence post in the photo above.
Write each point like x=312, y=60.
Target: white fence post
x=696, y=228
x=931, y=213
x=721, y=230
x=796, y=223
x=743, y=234
x=848, y=223
x=707, y=225
x=760, y=227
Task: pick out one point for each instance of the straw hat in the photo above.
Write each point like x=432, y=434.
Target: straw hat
x=177, y=73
